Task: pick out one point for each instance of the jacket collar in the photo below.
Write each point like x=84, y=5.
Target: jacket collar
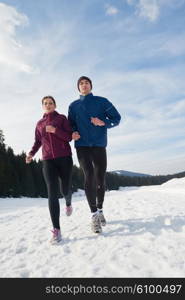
x=82, y=97
x=50, y=115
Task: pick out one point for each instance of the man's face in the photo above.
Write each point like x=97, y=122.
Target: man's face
x=85, y=87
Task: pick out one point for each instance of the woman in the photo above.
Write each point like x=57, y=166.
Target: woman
x=54, y=133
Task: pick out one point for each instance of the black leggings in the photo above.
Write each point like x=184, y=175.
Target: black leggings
x=58, y=172
x=93, y=161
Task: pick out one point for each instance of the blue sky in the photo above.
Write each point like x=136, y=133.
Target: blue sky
x=134, y=52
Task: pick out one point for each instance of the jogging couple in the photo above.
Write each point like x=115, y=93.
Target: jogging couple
x=89, y=117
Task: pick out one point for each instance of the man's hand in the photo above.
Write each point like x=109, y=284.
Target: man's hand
x=97, y=122
x=28, y=159
x=76, y=136
x=50, y=128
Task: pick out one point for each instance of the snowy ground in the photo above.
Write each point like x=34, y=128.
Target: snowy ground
x=144, y=236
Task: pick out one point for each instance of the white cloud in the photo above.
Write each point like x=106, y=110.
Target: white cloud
x=12, y=52
x=149, y=9
x=111, y=10
x=10, y=18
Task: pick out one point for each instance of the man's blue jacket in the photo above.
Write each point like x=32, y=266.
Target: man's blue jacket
x=80, y=113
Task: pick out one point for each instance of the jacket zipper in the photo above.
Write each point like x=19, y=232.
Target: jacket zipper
x=50, y=139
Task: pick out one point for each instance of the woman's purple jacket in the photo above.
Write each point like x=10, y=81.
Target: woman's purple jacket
x=53, y=144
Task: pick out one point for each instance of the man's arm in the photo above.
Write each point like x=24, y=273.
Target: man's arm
x=112, y=116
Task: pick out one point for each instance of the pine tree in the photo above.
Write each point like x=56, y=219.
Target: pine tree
x=12, y=181
x=2, y=165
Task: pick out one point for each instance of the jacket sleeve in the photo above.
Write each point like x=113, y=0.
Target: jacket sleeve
x=37, y=142
x=112, y=116
x=65, y=132
x=71, y=119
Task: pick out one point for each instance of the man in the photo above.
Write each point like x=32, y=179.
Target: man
x=90, y=116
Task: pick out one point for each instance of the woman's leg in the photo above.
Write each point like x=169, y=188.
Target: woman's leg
x=64, y=166
x=85, y=161
x=51, y=178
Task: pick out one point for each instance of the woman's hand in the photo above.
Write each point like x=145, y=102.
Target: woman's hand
x=75, y=135
x=50, y=128
x=97, y=122
x=28, y=158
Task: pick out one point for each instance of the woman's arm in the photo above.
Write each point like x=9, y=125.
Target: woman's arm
x=64, y=132
x=35, y=147
x=37, y=143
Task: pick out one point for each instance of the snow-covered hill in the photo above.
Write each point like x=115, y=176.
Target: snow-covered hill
x=129, y=173
x=144, y=236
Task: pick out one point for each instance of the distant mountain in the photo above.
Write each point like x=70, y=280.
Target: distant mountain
x=128, y=173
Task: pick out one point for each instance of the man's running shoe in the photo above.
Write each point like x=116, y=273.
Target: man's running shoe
x=102, y=218
x=95, y=224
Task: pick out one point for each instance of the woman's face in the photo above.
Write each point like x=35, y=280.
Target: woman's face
x=48, y=105
x=85, y=87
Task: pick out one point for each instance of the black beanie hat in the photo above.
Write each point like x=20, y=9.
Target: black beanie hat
x=84, y=78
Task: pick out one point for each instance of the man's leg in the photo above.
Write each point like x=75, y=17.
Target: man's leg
x=100, y=165
x=85, y=161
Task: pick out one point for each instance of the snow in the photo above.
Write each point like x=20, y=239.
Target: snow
x=144, y=236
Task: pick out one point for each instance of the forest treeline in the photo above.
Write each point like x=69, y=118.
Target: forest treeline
x=18, y=179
